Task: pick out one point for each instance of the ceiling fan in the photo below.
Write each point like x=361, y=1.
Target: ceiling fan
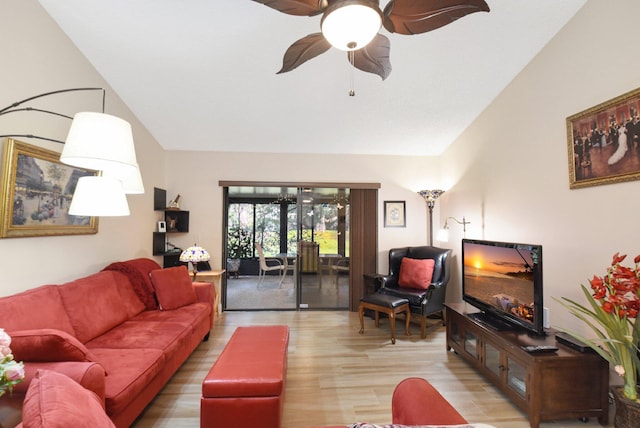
x=353, y=25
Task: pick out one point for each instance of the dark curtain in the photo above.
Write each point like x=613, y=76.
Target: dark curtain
x=364, y=241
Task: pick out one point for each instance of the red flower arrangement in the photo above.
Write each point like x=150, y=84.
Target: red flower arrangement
x=612, y=313
x=618, y=291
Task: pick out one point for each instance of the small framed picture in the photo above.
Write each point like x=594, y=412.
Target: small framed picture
x=395, y=214
x=162, y=226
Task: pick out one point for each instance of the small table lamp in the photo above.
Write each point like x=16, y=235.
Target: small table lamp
x=194, y=255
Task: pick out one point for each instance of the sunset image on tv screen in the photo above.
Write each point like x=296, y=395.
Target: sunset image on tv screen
x=501, y=276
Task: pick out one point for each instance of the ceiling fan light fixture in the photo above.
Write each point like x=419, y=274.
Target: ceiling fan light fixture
x=351, y=24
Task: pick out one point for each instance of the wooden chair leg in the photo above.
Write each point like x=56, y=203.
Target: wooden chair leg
x=392, y=325
x=407, y=320
x=423, y=326
x=391, y=314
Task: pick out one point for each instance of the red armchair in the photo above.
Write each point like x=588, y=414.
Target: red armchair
x=429, y=408
x=416, y=402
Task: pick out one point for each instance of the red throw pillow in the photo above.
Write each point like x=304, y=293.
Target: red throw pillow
x=55, y=400
x=416, y=273
x=48, y=344
x=174, y=288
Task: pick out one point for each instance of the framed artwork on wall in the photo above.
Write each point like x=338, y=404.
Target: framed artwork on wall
x=395, y=214
x=603, y=142
x=36, y=193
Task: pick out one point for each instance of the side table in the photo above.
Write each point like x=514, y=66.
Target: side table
x=215, y=277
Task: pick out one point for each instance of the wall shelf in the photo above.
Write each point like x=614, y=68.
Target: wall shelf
x=177, y=221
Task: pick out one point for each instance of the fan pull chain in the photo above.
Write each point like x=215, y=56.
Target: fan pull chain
x=352, y=92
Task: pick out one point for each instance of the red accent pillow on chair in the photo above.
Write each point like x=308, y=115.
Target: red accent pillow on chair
x=416, y=273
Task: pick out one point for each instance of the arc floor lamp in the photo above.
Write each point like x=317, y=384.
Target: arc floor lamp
x=96, y=141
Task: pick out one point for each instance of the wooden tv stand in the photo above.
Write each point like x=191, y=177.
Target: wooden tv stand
x=547, y=386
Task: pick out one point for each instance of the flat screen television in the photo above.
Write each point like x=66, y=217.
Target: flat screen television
x=504, y=281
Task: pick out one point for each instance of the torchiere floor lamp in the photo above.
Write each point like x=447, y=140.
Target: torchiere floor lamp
x=430, y=197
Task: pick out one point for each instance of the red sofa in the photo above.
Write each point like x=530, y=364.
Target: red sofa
x=121, y=333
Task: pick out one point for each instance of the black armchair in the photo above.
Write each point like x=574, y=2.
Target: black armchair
x=422, y=303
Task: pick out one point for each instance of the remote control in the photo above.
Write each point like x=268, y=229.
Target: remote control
x=540, y=348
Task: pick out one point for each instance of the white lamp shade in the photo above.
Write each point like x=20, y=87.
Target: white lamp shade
x=351, y=26
x=99, y=196
x=443, y=235
x=130, y=178
x=194, y=255
x=100, y=142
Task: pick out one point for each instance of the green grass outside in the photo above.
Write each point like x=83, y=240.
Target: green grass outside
x=328, y=241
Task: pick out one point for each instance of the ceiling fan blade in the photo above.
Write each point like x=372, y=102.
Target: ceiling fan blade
x=374, y=58
x=297, y=7
x=303, y=50
x=421, y=16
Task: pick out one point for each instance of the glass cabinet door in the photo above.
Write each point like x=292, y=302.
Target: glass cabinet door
x=492, y=358
x=454, y=333
x=471, y=343
x=517, y=376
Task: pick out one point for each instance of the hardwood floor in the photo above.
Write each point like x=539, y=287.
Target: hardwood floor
x=337, y=376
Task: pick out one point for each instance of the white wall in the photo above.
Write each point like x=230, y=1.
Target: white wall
x=38, y=58
x=508, y=172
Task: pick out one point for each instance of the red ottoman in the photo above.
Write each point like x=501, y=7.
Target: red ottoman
x=245, y=386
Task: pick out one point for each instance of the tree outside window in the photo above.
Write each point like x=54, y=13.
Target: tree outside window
x=240, y=231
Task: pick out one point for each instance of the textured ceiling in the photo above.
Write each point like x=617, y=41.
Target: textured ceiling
x=200, y=75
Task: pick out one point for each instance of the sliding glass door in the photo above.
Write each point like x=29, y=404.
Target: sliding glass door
x=323, y=253
x=260, y=236
x=302, y=234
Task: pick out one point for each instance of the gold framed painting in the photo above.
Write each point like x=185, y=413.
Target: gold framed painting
x=36, y=193
x=604, y=142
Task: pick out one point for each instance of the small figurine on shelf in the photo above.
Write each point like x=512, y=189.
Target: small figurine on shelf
x=173, y=204
x=172, y=223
